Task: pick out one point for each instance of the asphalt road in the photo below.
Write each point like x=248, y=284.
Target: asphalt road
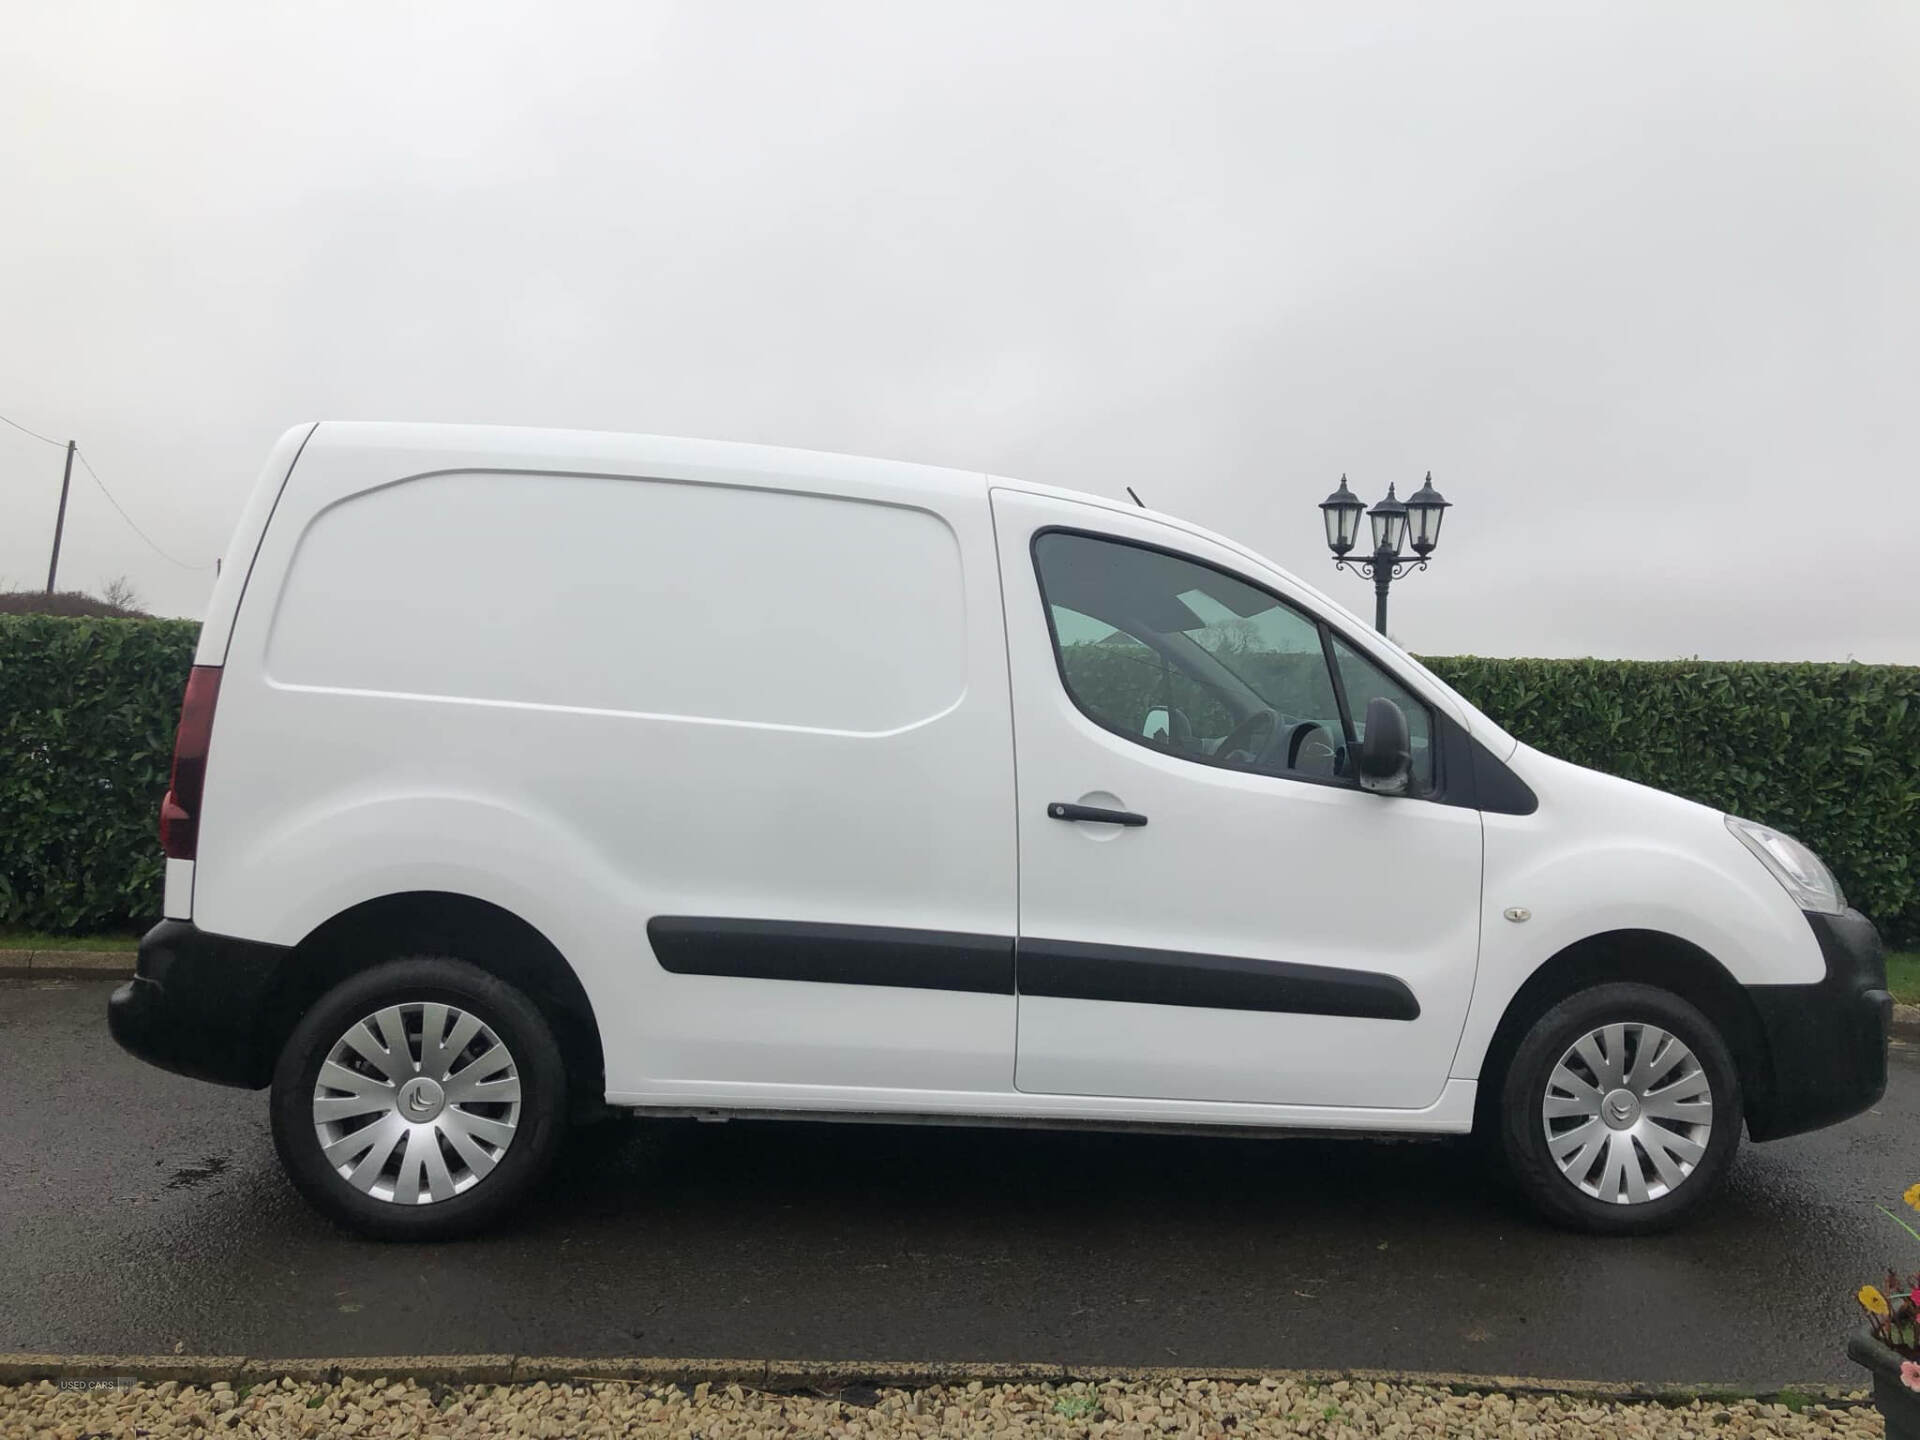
x=140, y=1213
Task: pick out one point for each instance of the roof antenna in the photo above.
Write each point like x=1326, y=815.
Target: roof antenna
x=1136, y=499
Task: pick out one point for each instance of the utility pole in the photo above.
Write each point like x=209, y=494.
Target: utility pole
x=60, y=521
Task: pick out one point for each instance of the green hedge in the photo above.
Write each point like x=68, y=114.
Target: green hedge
x=1830, y=753
x=87, y=713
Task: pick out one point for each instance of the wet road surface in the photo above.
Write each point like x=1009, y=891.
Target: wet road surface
x=140, y=1212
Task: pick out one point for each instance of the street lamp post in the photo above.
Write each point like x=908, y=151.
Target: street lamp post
x=1394, y=523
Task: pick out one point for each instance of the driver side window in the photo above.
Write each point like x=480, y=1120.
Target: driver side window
x=1128, y=686
x=1179, y=656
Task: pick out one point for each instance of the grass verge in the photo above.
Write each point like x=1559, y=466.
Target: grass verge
x=37, y=940
x=1903, y=976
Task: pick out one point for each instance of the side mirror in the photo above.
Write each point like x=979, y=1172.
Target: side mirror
x=1386, y=755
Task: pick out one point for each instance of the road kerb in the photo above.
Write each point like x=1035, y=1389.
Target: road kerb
x=826, y=1376
x=66, y=964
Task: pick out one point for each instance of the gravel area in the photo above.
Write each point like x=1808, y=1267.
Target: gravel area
x=1207, y=1408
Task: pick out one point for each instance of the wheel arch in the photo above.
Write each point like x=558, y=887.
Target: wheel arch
x=1648, y=957
x=446, y=923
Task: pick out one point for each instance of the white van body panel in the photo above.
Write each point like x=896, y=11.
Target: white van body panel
x=1603, y=854
x=438, y=626
x=493, y=663
x=1451, y=1114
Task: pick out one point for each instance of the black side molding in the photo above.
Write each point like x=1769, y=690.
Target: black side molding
x=986, y=965
x=833, y=954
x=1070, y=970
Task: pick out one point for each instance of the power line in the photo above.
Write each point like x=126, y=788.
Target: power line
x=129, y=519
x=120, y=509
x=34, y=433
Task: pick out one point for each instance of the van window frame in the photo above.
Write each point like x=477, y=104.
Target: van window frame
x=1433, y=791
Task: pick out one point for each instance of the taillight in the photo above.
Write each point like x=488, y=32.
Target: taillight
x=180, y=811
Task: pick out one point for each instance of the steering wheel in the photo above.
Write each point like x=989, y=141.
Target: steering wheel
x=1240, y=738
x=1297, y=739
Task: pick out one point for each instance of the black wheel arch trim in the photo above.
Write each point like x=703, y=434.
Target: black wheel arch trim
x=220, y=1008
x=1809, y=1055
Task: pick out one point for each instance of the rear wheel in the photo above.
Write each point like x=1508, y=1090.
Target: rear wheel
x=418, y=1100
x=1621, y=1110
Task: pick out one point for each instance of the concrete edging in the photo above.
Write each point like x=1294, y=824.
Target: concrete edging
x=817, y=1375
x=66, y=964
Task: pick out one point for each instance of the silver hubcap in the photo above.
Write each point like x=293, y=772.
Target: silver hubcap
x=1627, y=1112
x=416, y=1103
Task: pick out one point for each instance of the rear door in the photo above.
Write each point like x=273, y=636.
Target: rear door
x=1248, y=925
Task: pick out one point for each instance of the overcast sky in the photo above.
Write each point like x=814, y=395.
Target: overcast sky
x=1640, y=284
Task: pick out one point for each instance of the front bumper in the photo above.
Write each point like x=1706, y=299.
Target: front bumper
x=1825, y=1043
x=201, y=1005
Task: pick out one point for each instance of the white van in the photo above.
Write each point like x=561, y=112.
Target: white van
x=526, y=774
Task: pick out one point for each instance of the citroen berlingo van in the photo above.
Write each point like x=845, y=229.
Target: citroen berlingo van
x=526, y=774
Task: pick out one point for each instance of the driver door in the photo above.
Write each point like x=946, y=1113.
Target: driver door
x=1270, y=933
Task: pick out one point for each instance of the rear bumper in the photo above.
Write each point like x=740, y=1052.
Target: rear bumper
x=200, y=1005
x=1826, y=1043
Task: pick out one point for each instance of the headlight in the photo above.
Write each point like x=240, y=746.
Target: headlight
x=1808, y=881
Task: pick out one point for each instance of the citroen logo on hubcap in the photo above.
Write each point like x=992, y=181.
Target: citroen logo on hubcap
x=1622, y=1109
x=421, y=1099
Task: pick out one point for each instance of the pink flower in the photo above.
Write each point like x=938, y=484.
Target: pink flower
x=1910, y=1374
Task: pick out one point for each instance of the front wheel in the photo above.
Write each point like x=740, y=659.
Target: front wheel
x=418, y=1100
x=1621, y=1110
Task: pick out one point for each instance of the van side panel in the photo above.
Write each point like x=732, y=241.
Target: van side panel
x=597, y=686
x=699, y=603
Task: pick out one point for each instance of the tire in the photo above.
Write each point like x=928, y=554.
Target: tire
x=483, y=1141
x=1668, y=1164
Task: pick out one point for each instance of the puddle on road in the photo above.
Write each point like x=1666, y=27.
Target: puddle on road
x=209, y=1168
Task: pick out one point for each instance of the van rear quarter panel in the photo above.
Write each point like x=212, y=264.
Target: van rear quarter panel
x=593, y=679
x=235, y=565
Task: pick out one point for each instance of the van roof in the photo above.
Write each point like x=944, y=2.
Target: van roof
x=547, y=448
x=531, y=445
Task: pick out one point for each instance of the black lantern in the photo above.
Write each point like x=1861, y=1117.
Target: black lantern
x=1342, y=511
x=1389, y=521
x=1425, y=510
x=1394, y=522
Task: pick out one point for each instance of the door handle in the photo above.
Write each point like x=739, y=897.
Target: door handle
x=1060, y=810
